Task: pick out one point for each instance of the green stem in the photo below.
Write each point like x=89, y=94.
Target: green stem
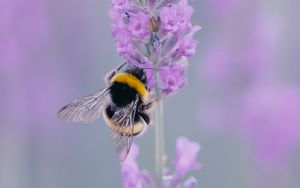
x=159, y=142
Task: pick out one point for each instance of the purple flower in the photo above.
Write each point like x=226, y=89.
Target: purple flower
x=124, y=45
x=186, y=156
x=264, y=112
x=224, y=7
x=157, y=36
x=185, y=161
x=176, y=17
x=187, y=46
x=132, y=176
x=24, y=27
x=252, y=102
x=270, y=122
x=190, y=182
x=173, y=75
x=137, y=24
x=120, y=4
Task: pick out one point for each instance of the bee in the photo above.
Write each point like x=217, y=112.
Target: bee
x=124, y=103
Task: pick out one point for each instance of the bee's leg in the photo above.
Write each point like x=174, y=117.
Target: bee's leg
x=112, y=73
x=109, y=76
x=148, y=107
x=146, y=117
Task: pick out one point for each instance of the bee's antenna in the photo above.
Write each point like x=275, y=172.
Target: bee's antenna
x=153, y=68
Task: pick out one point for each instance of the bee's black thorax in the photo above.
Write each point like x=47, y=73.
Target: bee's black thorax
x=125, y=90
x=122, y=94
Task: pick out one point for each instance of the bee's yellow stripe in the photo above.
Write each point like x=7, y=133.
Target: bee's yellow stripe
x=133, y=82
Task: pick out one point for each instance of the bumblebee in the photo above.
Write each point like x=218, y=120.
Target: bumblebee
x=124, y=104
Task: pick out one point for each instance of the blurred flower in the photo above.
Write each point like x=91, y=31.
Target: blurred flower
x=185, y=158
x=223, y=7
x=270, y=121
x=132, y=176
x=185, y=161
x=23, y=27
x=190, y=182
x=156, y=36
x=237, y=67
x=246, y=93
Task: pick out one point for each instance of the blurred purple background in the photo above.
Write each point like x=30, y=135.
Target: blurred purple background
x=242, y=102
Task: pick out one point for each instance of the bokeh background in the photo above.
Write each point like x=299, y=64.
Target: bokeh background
x=242, y=103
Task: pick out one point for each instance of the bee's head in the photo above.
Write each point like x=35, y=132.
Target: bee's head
x=139, y=73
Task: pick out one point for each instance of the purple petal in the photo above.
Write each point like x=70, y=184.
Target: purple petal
x=190, y=182
x=173, y=42
x=164, y=3
x=137, y=25
x=173, y=75
x=187, y=46
x=132, y=176
x=176, y=17
x=186, y=156
x=270, y=121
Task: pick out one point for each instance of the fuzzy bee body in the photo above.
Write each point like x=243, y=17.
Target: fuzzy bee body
x=124, y=104
x=126, y=88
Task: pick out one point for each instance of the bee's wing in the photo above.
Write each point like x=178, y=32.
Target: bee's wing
x=122, y=143
x=124, y=117
x=85, y=109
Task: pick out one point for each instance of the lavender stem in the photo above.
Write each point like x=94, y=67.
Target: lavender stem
x=159, y=141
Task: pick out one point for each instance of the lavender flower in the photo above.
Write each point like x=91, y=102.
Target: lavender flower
x=156, y=35
x=176, y=17
x=185, y=161
x=173, y=77
x=19, y=22
x=186, y=156
x=252, y=100
x=270, y=122
x=190, y=182
x=132, y=176
x=137, y=24
x=242, y=73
